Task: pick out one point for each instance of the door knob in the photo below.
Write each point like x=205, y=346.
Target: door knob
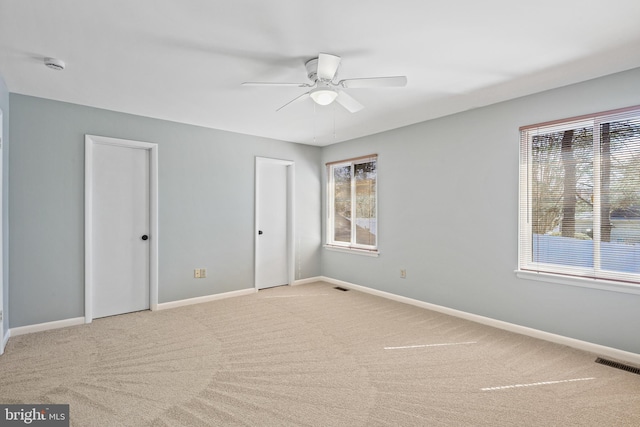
x=259, y=231
x=144, y=237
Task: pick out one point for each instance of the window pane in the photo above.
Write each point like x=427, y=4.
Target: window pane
x=620, y=199
x=352, y=207
x=366, y=221
x=562, y=197
x=342, y=203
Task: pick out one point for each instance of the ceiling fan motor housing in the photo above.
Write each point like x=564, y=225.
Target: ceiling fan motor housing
x=312, y=69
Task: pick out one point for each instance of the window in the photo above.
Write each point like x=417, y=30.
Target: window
x=352, y=220
x=580, y=197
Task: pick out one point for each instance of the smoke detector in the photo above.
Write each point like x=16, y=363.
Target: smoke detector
x=54, y=63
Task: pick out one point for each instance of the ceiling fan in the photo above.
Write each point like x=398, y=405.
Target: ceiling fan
x=322, y=72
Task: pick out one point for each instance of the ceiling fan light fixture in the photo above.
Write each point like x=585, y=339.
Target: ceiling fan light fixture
x=323, y=95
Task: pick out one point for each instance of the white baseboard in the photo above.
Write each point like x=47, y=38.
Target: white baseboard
x=309, y=280
x=29, y=329
x=206, y=298
x=598, y=349
x=21, y=330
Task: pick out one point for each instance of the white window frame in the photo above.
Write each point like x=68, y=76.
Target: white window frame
x=559, y=274
x=352, y=246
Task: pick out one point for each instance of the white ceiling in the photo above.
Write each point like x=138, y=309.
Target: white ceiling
x=185, y=60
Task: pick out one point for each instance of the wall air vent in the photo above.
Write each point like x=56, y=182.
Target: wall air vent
x=618, y=365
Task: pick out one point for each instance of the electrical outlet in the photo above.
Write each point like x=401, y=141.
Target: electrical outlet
x=403, y=273
x=203, y=273
x=196, y=273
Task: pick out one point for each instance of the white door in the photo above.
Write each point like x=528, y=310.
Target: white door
x=273, y=222
x=120, y=250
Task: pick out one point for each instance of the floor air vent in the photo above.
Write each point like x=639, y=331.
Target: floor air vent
x=618, y=365
x=341, y=289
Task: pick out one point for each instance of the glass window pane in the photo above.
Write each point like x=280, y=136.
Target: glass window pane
x=366, y=221
x=620, y=199
x=562, y=197
x=342, y=203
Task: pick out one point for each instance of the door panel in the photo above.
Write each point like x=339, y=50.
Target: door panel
x=120, y=257
x=271, y=222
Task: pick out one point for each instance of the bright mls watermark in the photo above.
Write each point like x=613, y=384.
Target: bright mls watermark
x=34, y=415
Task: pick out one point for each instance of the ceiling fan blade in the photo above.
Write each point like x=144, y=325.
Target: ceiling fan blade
x=327, y=66
x=396, y=81
x=348, y=102
x=275, y=84
x=304, y=95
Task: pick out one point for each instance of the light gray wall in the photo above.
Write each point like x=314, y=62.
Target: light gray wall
x=448, y=214
x=4, y=106
x=206, y=205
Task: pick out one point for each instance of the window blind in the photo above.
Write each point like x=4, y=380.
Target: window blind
x=580, y=196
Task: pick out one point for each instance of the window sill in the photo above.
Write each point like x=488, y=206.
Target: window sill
x=605, y=285
x=364, y=252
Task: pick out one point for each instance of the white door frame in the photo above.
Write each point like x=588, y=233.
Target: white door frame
x=291, y=173
x=3, y=314
x=90, y=141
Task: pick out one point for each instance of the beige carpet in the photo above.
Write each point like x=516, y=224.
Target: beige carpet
x=311, y=355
